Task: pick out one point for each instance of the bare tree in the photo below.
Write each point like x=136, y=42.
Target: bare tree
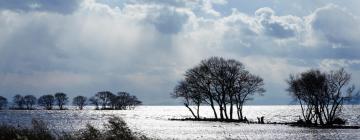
x=105, y=98
x=46, y=101
x=95, y=101
x=321, y=95
x=18, y=100
x=220, y=81
x=133, y=102
x=182, y=91
x=30, y=101
x=124, y=100
x=338, y=91
x=247, y=86
x=79, y=101
x=199, y=85
x=3, y=102
x=61, y=99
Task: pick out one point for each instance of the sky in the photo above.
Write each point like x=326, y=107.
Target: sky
x=144, y=47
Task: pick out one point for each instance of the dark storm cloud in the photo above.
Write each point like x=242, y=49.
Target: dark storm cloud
x=58, y=6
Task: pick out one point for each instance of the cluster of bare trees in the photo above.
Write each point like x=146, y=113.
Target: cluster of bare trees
x=220, y=83
x=108, y=100
x=79, y=101
x=46, y=101
x=321, y=95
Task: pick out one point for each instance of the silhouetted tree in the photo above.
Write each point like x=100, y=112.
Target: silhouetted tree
x=321, y=94
x=61, y=100
x=105, y=98
x=108, y=100
x=18, y=101
x=220, y=81
x=3, y=102
x=79, y=101
x=124, y=101
x=133, y=102
x=183, y=91
x=46, y=101
x=95, y=101
x=199, y=85
x=224, y=74
x=30, y=101
x=247, y=85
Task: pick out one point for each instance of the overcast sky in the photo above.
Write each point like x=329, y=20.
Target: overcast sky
x=144, y=47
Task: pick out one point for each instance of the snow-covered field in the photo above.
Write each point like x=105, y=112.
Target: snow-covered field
x=153, y=122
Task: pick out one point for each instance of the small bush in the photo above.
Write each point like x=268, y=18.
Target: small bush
x=39, y=131
x=339, y=121
x=90, y=133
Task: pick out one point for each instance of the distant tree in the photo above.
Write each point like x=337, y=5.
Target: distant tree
x=105, y=98
x=124, y=101
x=30, y=101
x=3, y=102
x=321, y=95
x=46, y=101
x=133, y=102
x=19, y=102
x=61, y=99
x=108, y=100
x=79, y=101
x=95, y=101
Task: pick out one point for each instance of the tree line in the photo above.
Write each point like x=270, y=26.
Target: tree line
x=224, y=84
x=105, y=99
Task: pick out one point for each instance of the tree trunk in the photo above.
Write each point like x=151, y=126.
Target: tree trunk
x=318, y=113
x=187, y=106
x=197, y=111
x=231, y=108
x=213, y=108
x=221, y=112
x=225, y=112
x=238, y=112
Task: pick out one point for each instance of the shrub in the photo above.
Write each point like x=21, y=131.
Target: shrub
x=116, y=129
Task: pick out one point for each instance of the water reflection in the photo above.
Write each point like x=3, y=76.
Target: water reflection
x=153, y=121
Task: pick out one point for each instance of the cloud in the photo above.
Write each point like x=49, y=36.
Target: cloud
x=337, y=26
x=28, y=43
x=144, y=47
x=165, y=19
x=173, y=3
x=278, y=27
x=58, y=6
x=328, y=64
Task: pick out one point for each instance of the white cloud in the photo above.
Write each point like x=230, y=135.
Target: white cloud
x=337, y=26
x=330, y=64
